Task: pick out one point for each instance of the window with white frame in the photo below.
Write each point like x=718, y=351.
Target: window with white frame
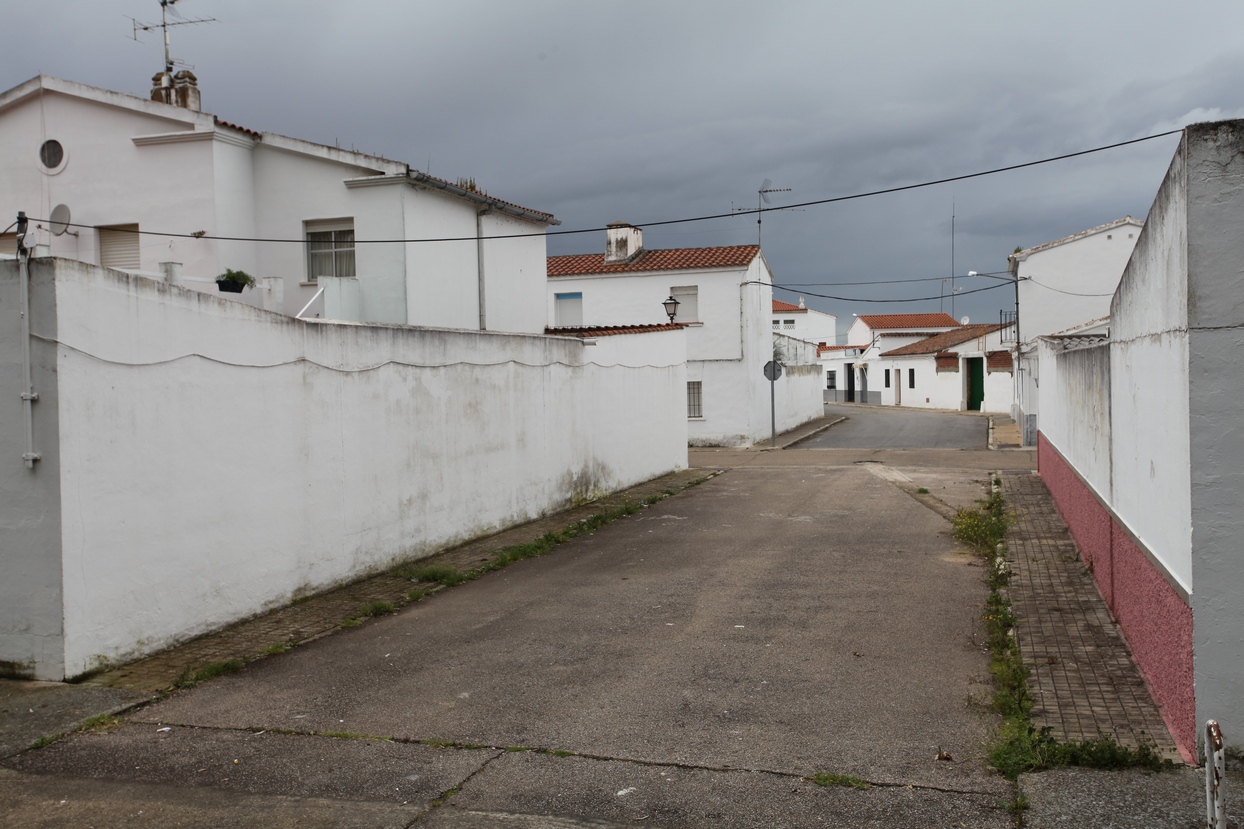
x=688, y=297
x=695, y=398
x=568, y=310
x=330, y=249
x=788, y=323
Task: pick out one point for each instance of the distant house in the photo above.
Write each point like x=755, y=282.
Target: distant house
x=1062, y=284
x=965, y=369
x=804, y=323
x=846, y=367
x=129, y=169
x=724, y=299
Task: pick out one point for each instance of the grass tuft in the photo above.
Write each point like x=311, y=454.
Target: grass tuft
x=208, y=670
x=829, y=778
x=102, y=724
x=376, y=608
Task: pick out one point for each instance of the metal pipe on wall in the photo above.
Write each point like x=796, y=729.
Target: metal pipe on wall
x=28, y=391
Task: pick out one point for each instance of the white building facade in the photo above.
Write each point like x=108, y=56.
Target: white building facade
x=148, y=182
x=848, y=370
x=724, y=298
x=966, y=369
x=804, y=323
x=1060, y=285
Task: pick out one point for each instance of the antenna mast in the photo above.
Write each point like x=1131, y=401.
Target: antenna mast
x=164, y=25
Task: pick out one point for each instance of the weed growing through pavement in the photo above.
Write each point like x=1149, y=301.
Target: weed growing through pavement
x=274, y=649
x=829, y=778
x=102, y=724
x=924, y=490
x=1017, y=745
x=208, y=670
x=377, y=608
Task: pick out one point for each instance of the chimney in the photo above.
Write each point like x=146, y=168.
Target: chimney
x=181, y=90
x=801, y=305
x=623, y=243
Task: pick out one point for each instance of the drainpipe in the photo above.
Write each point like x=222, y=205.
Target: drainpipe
x=479, y=260
x=28, y=391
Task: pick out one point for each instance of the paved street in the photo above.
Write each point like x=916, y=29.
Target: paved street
x=875, y=427
x=688, y=666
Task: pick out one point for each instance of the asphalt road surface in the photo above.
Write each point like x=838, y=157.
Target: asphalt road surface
x=692, y=665
x=873, y=427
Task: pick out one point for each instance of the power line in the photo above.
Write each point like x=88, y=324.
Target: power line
x=710, y=217
x=892, y=281
x=905, y=299
x=1061, y=291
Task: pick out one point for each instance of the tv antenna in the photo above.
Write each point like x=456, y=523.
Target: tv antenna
x=164, y=26
x=762, y=198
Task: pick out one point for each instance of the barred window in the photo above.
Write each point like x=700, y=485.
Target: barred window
x=695, y=399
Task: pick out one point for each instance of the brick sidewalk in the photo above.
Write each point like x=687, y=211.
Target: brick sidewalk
x=1083, y=680
x=324, y=613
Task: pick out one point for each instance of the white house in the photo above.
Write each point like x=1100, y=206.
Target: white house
x=966, y=369
x=724, y=297
x=1062, y=284
x=1141, y=441
x=846, y=367
x=149, y=182
x=804, y=323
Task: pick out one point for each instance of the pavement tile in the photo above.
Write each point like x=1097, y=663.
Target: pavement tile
x=1084, y=682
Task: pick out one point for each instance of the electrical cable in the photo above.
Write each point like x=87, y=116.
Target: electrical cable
x=1061, y=291
x=892, y=281
x=547, y=233
x=857, y=299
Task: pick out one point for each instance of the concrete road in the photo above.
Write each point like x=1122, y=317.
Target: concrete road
x=689, y=666
x=875, y=427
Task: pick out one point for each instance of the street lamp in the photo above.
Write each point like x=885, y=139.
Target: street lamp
x=671, y=307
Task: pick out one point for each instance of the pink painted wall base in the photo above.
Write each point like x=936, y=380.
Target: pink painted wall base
x=1154, y=619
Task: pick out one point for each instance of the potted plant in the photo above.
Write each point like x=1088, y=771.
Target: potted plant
x=232, y=282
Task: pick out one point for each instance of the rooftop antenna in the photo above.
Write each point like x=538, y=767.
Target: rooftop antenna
x=164, y=25
x=762, y=197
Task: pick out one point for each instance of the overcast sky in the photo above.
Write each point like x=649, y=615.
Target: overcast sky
x=647, y=111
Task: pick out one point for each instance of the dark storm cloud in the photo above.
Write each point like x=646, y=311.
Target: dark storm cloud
x=647, y=111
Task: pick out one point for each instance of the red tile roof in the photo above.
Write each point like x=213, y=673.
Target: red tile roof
x=946, y=361
x=611, y=330
x=875, y=321
x=940, y=342
x=676, y=259
x=822, y=349
x=220, y=122
x=785, y=307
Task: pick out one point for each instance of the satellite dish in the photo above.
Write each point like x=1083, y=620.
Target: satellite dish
x=59, y=219
x=964, y=321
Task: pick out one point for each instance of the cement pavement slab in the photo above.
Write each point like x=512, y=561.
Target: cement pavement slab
x=768, y=622
x=39, y=802
x=1127, y=799
x=33, y=710
x=680, y=798
x=345, y=768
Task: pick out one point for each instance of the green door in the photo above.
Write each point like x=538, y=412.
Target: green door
x=976, y=383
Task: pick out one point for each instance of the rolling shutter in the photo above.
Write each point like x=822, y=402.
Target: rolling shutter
x=119, y=247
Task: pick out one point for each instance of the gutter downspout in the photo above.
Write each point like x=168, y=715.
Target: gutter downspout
x=28, y=391
x=479, y=261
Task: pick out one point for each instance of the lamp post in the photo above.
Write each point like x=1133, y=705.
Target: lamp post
x=671, y=307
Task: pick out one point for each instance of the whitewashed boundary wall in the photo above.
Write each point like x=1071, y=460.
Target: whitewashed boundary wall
x=204, y=460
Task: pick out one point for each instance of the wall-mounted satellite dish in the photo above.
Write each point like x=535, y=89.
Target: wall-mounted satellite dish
x=964, y=321
x=59, y=220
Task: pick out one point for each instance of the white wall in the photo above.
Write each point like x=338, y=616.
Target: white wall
x=809, y=325
x=1091, y=264
x=1149, y=376
x=222, y=460
x=1077, y=418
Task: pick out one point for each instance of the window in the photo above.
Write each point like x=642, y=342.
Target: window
x=119, y=247
x=887, y=378
x=8, y=244
x=831, y=379
x=51, y=153
x=330, y=249
x=688, y=297
x=911, y=378
x=695, y=399
x=788, y=323
x=777, y=323
x=568, y=310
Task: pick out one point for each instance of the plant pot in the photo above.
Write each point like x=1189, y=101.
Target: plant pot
x=230, y=287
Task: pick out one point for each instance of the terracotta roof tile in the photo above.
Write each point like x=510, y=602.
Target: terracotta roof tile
x=825, y=349
x=875, y=321
x=220, y=122
x=940, y=342
x=612, y=330
x=785, y=307
x=675, y=259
